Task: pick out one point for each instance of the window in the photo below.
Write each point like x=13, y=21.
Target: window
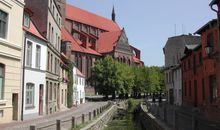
x=52, y=39
x=29, y=95
x=51, y=63
x=3, y=24
x=55, y=92
x=185, y=89
x=29, y=54
x=210, y=40
x=213, y=88
x=26, y=20
x=200, y=58
x=189, y=64
x=38, y=56
x=55, y=67
x=2, y=77
x=1, y=113
x=48, y=61
x=62, y=96
x=50, y=93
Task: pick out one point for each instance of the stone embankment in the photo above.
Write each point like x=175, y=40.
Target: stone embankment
x=100, y=122
x=149, y=121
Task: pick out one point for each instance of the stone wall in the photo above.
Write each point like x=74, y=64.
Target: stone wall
x=100, y=122
x=148, y=121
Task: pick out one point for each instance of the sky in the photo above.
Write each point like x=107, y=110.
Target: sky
x=149, y=23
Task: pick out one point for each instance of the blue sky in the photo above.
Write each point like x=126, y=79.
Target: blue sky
x=149, y=23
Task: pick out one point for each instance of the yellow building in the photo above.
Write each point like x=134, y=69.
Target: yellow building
x=11, y=37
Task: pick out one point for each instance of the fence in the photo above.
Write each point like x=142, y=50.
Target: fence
x=70, y=121
x=181, y=119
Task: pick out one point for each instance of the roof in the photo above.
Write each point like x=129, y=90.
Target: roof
x=136, y=60
x=107, y=41
x=189, y=49
x=83, y=16
x=75, y=46
x=33, y=30
x=208, y=25
x=79, y=73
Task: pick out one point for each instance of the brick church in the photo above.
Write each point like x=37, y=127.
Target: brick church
x=87, y=37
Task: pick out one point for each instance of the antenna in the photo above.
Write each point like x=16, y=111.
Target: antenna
x=175, y=29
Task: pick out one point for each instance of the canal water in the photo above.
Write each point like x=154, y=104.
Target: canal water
x=124, y=120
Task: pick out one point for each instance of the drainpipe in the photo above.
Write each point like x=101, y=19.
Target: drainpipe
x=23, y=76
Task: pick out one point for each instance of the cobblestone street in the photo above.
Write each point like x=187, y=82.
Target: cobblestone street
x=75, y=111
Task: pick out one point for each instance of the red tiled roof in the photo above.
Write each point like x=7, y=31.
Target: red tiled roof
x=79, y=73
x=33, y=30
x=136, y=60
x=83, y=16
x=107, y=41
x=65, y=35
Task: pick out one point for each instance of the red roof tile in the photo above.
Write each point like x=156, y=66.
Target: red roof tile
x=83, y=16
x=107, y=41
x=65, y=35
x=33, y=30
x=79, y=73
x=136, y=60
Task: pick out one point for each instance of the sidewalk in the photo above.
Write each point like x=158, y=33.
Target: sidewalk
x=75, y=111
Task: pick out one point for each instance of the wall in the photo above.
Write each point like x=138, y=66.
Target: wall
x=10, y=57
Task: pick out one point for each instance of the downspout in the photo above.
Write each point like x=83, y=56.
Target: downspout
x=23, y=67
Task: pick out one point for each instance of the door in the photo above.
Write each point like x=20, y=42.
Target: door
x=41, y=94
x=15, y=106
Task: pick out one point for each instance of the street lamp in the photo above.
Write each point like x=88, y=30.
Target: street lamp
x=208, y=50
x=216, y=2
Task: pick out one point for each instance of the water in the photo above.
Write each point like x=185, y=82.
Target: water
x=124, y=120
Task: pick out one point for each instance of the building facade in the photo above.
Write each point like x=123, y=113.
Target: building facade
x=78, y=87
x=201, y=80
x=64, y=82
x=34, y=82
x=93, y=37
x=173, y=51
x=11, y=39
x=48, y=19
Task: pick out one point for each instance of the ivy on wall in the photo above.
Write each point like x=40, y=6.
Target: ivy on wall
x=70, y=85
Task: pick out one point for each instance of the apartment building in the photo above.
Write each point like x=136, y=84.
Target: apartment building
x=48, y=20
x=11, y=12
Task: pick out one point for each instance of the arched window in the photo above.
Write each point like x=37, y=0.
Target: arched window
x=2, y=79
x=29, y=95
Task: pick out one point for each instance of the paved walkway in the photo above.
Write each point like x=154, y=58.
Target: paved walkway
x=75, y=111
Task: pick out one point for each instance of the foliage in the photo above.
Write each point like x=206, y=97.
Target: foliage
x=70, y=85
x=111, y=77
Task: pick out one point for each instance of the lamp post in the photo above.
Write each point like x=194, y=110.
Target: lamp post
x=217, y=2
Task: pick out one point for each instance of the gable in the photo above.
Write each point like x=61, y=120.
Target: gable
x=122, y=44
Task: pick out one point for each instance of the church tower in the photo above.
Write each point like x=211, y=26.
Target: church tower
x=113, y=14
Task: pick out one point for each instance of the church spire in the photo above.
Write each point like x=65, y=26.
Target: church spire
x=113, y=14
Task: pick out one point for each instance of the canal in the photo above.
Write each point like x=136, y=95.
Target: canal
x=125, y=119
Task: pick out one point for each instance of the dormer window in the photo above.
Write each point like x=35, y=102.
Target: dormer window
x=26, y=21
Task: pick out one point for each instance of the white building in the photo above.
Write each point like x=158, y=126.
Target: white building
x=173, y=52
x=78, y=87
x=35, y=55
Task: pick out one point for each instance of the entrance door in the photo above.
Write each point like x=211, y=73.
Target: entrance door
x=15, y=106
x=41, y=93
